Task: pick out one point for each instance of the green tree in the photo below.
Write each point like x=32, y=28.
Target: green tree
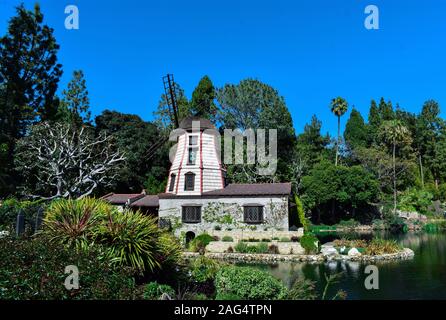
x=386, y=110
x=75, y=104
x=135, y=137
x=202, y=103
x=29, y=74
x=350, y=187
x=356, y=131
x=252, y=104
x=338, y=107
x=374, y=122
x=430, y=128
x=395, y=134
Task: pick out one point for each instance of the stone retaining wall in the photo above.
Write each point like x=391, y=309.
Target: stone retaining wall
x=271, y=258
x=284, y=247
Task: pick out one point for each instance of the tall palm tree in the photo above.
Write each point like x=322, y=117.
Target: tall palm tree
x=339, y=107
x=395, y=134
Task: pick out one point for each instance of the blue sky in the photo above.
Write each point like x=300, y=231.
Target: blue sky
x=310, y=51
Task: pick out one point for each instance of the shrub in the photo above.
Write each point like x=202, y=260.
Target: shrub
x=248, y=283
x=357, y=243
x=73, y=222
x=382, y=246
x=302, y=289
x=227, y=296
x=227, y=239
x=310, y=243
x=301, y=214
x=230, y=250
x=294, y=239
x=266, y=240
x=217, y=228
x=131, y=239
x=200, y=242
x=154, y=290
x=253, y=240
x=169, y=251
x=349, y=224
x=285, y=239
x=262, y=247
x=415, y=200
x=241, y=247
x=204, y=269
x=273, y=249
x=35, y=269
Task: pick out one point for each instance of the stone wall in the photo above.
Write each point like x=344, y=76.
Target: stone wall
x=226, y=213
x=284, y=247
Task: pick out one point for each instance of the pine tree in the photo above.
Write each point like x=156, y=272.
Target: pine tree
x=356, y=131
x=202, y=103
x=75, y=104
x=29, y=75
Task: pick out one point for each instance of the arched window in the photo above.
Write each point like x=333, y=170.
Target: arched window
x=189, y=181
x=172, y=181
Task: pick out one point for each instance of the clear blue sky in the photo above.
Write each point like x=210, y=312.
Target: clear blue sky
x=310, y=51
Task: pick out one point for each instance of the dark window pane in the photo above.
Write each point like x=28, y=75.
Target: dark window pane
x=172, y=182
x=189, y=181
x=191, y=214
x=253, y=214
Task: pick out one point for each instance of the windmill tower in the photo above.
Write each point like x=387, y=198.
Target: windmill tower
x=196, y=167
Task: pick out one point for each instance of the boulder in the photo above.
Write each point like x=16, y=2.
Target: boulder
x=353, y=252
x=329, y=251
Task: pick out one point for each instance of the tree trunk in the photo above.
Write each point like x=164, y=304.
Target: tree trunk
x=421, y=170
x=394, y=177
x=337, y=143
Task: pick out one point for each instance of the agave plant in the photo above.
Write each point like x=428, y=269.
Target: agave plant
x=131, y=239
x=170, y=250
x=73, y=222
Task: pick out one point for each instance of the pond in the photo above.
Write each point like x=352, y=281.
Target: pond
x=423, y=277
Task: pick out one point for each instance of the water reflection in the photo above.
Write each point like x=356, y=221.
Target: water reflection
x=423, y=277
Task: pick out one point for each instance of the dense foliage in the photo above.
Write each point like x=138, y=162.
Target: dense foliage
x=248, y=284
x=130, y=238
x=35, y=269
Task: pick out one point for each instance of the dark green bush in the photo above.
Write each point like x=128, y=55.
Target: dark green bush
x=310, y=243
x=204, y=269
x=227, y=239
x=200, y=242
x=248, y=283
x=262, y=247
x=154, y=291
x=241, y=247
x=35, y=269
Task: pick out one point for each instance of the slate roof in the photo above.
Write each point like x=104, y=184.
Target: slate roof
x=241, y=190
x=186, y=123
x=122, y=198
x=256, y=189
x=146, y=201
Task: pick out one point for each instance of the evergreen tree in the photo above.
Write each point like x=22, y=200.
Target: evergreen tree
x=75, y=104
x=356, y=131
x=386, y=110
x=29, y=74
x=202, y=103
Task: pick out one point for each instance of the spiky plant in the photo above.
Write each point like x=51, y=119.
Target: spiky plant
x=131, y=239
x=73, y=222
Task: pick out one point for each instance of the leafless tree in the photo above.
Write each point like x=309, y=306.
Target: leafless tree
x=61, y=161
